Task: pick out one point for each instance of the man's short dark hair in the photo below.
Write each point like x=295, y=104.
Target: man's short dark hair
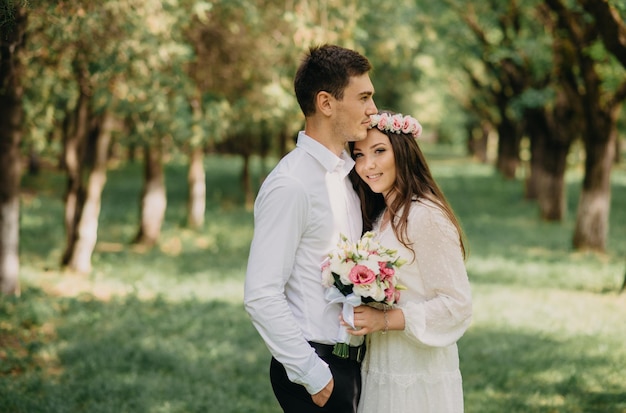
x=327, y=68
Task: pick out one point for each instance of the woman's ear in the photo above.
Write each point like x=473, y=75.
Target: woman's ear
x=324, y=102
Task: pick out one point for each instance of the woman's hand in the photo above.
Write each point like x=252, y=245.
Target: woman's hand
x=366, y=320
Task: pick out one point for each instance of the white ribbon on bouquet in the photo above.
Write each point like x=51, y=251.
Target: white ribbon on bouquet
x=348, y=303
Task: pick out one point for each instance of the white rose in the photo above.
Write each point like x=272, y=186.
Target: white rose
x=373, y=290
x=342, y=269
x=372, y=263
x=327, y=276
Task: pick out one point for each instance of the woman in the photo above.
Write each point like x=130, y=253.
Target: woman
x=412, y=361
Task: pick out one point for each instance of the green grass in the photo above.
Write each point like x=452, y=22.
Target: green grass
x=164, y=330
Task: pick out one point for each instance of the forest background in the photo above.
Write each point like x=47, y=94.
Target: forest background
x=532, y=91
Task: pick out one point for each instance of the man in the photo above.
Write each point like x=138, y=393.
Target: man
x=302, y=207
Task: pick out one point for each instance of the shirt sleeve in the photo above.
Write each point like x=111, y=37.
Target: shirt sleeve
x=281, y=212
x=444, y=314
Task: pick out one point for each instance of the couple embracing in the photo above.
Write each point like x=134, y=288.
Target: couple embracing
x=356, y=170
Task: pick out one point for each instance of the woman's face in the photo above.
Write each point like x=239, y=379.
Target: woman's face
x=375, y=161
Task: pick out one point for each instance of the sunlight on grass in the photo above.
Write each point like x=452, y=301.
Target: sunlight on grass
x=569, y=273
x=549, y=311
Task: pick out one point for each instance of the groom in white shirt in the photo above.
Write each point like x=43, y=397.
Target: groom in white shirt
x=302, y=207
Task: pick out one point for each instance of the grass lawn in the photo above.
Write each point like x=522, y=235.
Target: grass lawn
x=164, y=330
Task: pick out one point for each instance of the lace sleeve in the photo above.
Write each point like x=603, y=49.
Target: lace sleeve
x=442, y=315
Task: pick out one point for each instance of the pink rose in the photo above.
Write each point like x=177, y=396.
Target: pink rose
x=396, y=123
x=360, y=274
x=383, y=121
x=385, y=271
x=392, y=295
x=418, y=131
x=407, y=124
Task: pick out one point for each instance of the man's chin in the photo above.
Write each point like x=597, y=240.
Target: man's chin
x=357, y=138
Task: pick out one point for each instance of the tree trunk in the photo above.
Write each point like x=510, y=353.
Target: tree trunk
x=477, y=138
x=592, y=221
x=283, y=138
x=564, y=125
x=11, y=114
x=34, y=163
x=508, y=148
x=75, y=137
x=551, y=194
x=153, y=197
x=88, y=215
x=552, y=135
x=600, y=111
x=196, y=179
x=556, y=129
x=537, y=133
x=132, y=152
x=246, y=182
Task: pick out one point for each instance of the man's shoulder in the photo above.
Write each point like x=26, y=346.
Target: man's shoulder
x=299, y=165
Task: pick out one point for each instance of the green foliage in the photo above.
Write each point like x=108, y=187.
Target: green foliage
x=165, y=331
x=198, y=72
x=7, y=14
x=532, y=98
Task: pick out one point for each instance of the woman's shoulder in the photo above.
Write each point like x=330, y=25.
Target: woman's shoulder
x=425, y=207
x=425, y=212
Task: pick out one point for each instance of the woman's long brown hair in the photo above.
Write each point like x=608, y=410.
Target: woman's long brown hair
x=414, y=181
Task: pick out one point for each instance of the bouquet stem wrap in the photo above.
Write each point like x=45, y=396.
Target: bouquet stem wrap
x=348, y=303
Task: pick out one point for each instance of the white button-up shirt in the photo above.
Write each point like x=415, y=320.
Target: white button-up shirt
x=302, y=207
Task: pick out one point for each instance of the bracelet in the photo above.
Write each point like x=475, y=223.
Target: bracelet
x=386, y=321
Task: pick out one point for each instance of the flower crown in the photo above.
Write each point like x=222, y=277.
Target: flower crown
x=386, y=122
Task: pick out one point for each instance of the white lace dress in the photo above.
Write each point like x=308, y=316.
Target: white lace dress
x=417, y=370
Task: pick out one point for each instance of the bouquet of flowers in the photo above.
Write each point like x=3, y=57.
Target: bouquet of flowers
x=357, y=273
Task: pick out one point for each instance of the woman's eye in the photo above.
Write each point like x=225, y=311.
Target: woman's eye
x=380, y=150
x=357, y=155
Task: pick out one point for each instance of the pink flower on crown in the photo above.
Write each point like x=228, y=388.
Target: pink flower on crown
x=407, y=124
x=396, y=123
x=374, y=119
x=418, y=131
x=383, y=121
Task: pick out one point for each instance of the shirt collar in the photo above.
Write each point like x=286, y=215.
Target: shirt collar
x=331, y=162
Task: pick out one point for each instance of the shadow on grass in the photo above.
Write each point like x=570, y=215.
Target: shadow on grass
x=494, y=211
x=509, y=371
x=510, y=245
x=128, y=355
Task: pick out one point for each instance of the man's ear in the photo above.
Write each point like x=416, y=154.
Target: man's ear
x=324, y=102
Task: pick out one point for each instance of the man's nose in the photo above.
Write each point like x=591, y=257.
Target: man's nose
x=372, y=109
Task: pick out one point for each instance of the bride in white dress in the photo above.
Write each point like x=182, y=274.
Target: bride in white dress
x=412, y=362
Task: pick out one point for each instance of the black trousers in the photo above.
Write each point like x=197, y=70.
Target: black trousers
x=293, y=398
